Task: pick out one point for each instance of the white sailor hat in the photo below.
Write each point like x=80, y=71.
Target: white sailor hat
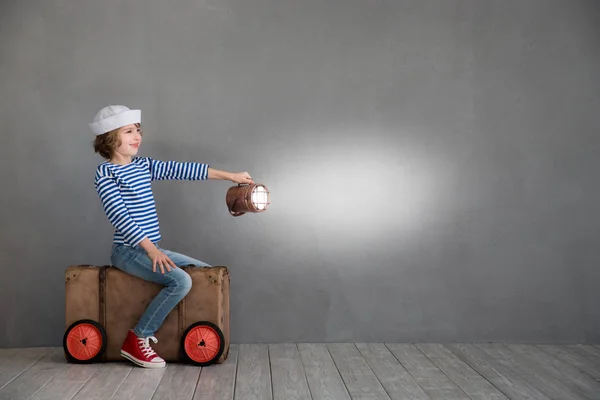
x=113, y=117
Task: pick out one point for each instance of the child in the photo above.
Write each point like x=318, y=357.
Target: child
x=123, y=183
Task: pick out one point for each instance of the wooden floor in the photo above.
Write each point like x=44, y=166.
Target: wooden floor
x=320, y=371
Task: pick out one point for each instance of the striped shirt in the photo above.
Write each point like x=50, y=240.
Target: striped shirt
x=127, y=198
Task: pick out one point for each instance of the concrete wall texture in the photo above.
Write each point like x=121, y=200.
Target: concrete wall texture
x=433, y=164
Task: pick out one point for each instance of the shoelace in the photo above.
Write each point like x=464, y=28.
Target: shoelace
x=145, y=345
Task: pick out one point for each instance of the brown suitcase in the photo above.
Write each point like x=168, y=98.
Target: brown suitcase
x=109, y=302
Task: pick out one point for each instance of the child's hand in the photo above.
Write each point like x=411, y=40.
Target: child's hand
x=160, y=258
x=241, y=177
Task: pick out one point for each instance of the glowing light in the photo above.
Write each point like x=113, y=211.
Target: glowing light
x=242, y=199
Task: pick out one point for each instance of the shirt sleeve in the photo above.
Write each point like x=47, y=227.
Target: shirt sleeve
x=163, y=170
x=116, y=211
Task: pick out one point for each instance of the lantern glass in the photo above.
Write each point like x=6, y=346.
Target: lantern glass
x=259, y=197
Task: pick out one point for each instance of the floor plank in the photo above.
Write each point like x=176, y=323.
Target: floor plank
x=433, y=381
x=14, y=362
x=360, y=380
x=395, y=379
x=587, y=351
x=5, y=353
x=563, y=372
x=469, y=380
x=178, y=382
x=105, y=382
x=531, y=373
x=27, y=384
x=253, y=380
x=507, y=381
x=287, y=373
x=140, y=384
x=339, y=371
x=323, y=377
x=67, y=383
x=567, y=355
x=217, y=382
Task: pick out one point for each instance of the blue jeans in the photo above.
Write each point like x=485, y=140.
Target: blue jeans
x=135, y=261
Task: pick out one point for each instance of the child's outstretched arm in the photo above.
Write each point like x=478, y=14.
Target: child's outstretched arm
x=237, y=177
x=162, y=170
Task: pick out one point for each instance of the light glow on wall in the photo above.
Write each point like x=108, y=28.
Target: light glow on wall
x=358, y=189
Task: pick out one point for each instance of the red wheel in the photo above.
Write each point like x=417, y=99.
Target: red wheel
x=84, y=341
x=203, y=343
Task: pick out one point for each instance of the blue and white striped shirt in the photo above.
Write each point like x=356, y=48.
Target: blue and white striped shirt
x=127, y=198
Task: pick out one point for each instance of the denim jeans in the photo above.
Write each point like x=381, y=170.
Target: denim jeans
x=177, y=283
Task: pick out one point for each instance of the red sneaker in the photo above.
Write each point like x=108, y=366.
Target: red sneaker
x=138, y=351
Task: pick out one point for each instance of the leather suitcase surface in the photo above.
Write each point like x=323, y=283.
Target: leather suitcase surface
x=116, y=301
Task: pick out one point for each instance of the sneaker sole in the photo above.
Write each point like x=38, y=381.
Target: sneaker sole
x=141, y=363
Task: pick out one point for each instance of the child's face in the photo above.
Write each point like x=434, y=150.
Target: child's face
x=130, y=137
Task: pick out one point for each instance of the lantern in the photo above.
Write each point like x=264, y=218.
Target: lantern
x=253, y=198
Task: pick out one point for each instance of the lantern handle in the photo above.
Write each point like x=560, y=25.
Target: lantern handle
x=236, y=213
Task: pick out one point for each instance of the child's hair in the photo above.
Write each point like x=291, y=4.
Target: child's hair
x=106, y=143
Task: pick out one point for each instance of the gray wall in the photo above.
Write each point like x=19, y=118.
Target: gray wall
x=433, y=164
